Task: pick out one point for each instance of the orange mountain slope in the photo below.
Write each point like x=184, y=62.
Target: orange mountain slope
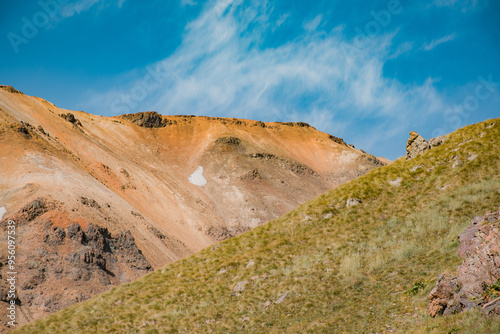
x=177, y=183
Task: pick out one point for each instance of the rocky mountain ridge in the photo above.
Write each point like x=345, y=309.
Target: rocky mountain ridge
x=361, y=258
x=173, y=184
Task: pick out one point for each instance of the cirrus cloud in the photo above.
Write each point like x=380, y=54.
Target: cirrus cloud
x=221, y=69
x=435, y=42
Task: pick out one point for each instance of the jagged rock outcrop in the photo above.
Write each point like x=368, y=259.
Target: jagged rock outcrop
x=148, y=119
x=338, y=140
x=71, y=118
x=478, y=277
x=228, y=141
x=292, y=166
x=11, y=89
x=435, y=142
x=89, y=202
x=61, y=265
x=299, y=124
x=416, y=145
x=34, y=209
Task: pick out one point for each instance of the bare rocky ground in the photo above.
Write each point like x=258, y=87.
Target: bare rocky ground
x=100, y=201
x=58, y=266
x=477, y=282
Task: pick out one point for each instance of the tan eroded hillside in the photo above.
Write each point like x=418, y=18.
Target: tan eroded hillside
x=362, y=258
x=177, y=183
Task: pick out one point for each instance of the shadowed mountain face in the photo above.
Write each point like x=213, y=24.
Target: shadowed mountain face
x=117, y=197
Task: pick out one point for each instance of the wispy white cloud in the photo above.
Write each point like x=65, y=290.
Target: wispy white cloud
x=188, y=3
x=464, y=5
x=282, y=19
x=220, y=70
x=402, y=49
x=313, y=24
x=445, y=3
x=81, y=6
x=78, y=7
x=338, y=29
x=434, y=43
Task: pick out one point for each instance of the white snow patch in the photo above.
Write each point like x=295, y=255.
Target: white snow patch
x=197, y=177
x=3, y=210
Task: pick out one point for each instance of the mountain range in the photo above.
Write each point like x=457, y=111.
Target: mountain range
x=101, y=201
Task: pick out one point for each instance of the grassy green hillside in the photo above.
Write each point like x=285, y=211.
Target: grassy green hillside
x=324, y=267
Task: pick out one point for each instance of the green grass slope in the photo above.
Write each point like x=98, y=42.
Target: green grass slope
x=324, y=267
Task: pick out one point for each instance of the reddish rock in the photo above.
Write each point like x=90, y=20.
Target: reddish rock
x=480, y=269
x=441, y=294
x=416, y=145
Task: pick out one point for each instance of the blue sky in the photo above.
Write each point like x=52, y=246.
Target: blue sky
x=366, y=71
